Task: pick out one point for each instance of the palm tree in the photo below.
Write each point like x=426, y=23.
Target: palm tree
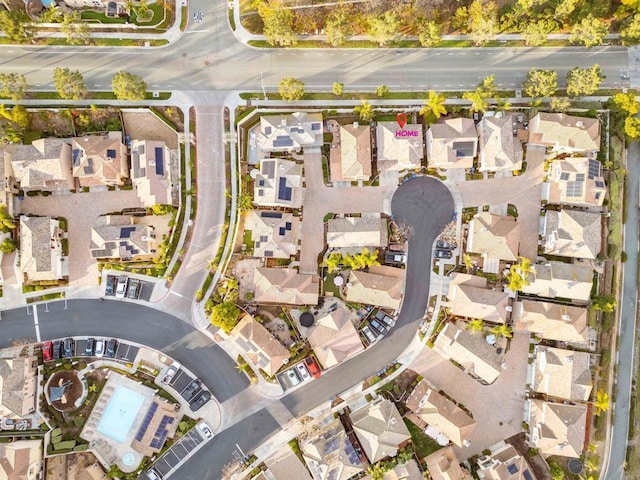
x=602, y=402
x=590, y=465
x=475, y=326
x=368, y=258
x=515, y=281
x=376, y=472
x=333, y=261
x=245, y=202
x=468, y=263
x=404, y=456
x=592, y=448
x=366, y=111
x=6, y=220
x=434, y=105
x=502, y=330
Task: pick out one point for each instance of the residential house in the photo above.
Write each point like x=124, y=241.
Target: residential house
x=504, y=463
x=495, y=237
x=259, y=345
x=560, y=280
x=381, y=286
x=565, y=374
x=116, y=236
x=575, y=181
x=99, y=160
x=151, y=173
x=380, y=430
x=285, y=286
x=290, y=133
x=18, y=386
x=331, y=455
x=556, y=428
x=21, y=460
x=500, y=149
x=333, y=337
x=350, y=158
x=402, y=471
x=572, y=233
x=357, y=232
x=41, y=255
x=444, y=465
x=44, y=165
x=274, y=234
x=564, y=133
x=278, y=184
x=285, y=465
x=452, y=143
x=552, y=321
x=469, y=297
x=470, y=351
x=432, y=409
x=399, y=148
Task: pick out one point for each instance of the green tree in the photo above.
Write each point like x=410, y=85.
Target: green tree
x=291, y=89
x=333, y=262
x=8, y=246
x=382, y=91
x=128, y=86
x=69, y=83
x=50, y=15
x=16, y=26
x=17, y=116
x=382, y=29
x=603, y=303
x=6, y=220
x=626, y=102
x=559, y=104
x=429, y=35
x=375, y=471
x=14, y=86
x=225, y=316
x=245, y=202
x=162, y=209
x=366, y=111
x=556, y=471
x=75, y=30
x=475, y=326
x=632, y=127
x=478, y=101
x=565, y=8
x=338, y=89
x=361, y=260
x=337, y=27
x=630, y=33
x=278, y=23
x=502, y=330
x=535, y=32
x=589, y=32
x=483, y=21
x=584, y=81
x=405, y=455
x=601, y=404
x=433, y=106
x=541, y=83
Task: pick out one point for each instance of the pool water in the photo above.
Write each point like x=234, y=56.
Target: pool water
x=120, y=413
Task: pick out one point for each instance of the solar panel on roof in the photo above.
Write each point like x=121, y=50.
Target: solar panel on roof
x=261, y=183
x=146, y=421
x=527, y=475
x=267, y=130
x=111, y=153
x=513, y=469
x=125, y=232
x=574, y=189
x=271, y=215
x=579, y=177
x=594, y=169
x=287, y=225
x=283, y=141
x=75, y=155
x=159, y=161
x=282, y=231
x=284, y=192
x=263, y=238
x=463, y=149
x=269, y=168
x=315, y=126
x=599, y=184
x=88, y=169
x=564, y=176
x=268, y=253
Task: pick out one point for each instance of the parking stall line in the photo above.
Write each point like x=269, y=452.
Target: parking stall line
x=36, y=323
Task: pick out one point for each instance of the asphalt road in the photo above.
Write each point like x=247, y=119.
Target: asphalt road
x=426, y=204
x=135, y=323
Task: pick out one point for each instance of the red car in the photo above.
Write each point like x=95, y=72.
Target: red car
x=312, y=366
x=47, y=351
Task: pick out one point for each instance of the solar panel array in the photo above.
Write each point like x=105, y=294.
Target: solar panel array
x=282, y=231
x=283, y=141
x=463, y=149
x=564, y=176
x=271, y=215
x=125, y=232
x=161, y=432
x=579, y=177
x=315, y=126
x=574, y=189
x=75, y=155
x=88, y=168
x=284, y=192
x=354, y=458
x=111, y=153
x=159, y=161
x=513, y=469
x=599, y=184
x=594, y=169
x=145, y=423
x=287, y=225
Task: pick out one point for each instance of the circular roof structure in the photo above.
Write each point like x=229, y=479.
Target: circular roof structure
x=307, y=319
x=575, y=466
x=338, y=281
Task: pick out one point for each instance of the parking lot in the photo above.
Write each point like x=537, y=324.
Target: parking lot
x=125, y=351
x=170, y=459
x=135, y=290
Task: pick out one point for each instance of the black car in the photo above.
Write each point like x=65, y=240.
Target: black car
x=443, y=253
x=67, y=348
x=200, y=400
x=112, y=345
x=110, y=288
x=192, y=390
x=57, y=348
x=91, y=345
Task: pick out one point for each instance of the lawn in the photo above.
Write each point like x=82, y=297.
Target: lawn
x=425, y=446
x=329, y=286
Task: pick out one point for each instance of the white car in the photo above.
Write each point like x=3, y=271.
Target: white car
x=171, y=372
x=304, y=373
x=293, y=378
x=205, y=430
x=99, y=351
x=121, y=287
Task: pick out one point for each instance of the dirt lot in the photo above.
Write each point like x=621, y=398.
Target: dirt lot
x=51, y=123
x=145, y=125
x=71, y=467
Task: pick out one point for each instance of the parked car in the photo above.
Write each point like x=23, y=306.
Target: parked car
x=153, y=475
x=293, y=377
x=88, y=350
x=68, y=348
x=369, y=334
x=205, y=430
x=303, y=372
x=110, y=288
x=121, y=288
x=132, y=290
x=99, y=350
x=173, y=369
x=47, y=351
x=112, y=345
x=442, y=253
x=191, y=390
x=388, y=321
x=57, y=349
x=312, y=366
x=198, y=402
x=376, y=325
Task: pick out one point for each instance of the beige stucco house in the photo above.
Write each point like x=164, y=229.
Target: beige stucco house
x=350, y=158
x=285, y=286
x=572, y=233
x=561, y=280
x=99, y=160
x=274, y=234
x=495, y=237
x=259, y=345
x=278, y=184
x=290, y=133
x=470, y=297
x=556, y=428
x=41, y=255
x=399, y=148
x=151, y=173
x=44, y=165
x=18, y=386
x=575, y=181
x=381, y=286
x=117, y=236
x=564, y=374
x=452, y=143
x=500, y=150
x=21, y=460
x=444, y=465
x=357, y=232
x=334, y=338
x=565, y=133
x=552, y=321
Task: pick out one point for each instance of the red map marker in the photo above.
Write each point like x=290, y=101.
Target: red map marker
x=401, y=119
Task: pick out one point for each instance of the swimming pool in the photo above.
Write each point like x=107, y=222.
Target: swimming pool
x=120, y=413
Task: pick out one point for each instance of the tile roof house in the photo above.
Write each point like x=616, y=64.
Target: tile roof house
x=285, y=465
x=99, y=159
x=572, y=233
x=285, y=286
x=274, y=234
x=278, y=184
x=21, y=460
x=444, y=465
x=552, y=321
x=331, y=455
x=151, y=172
x=403, y=471
x=565, y=133
x=41, y=256
x=500, y=149
x=495, y=237
x=43, y=165
x=440, y=413
x=116, y=236
x=260, y=346
x=576, y=181
x=561, y=280
x=452, y=143
x=351, y=158
x=18, y=386
x=334, y=338
x=353, y=232
x=560, y=373
x=556, y=428
x=380, y=430
x=504, y=463
x=399, y=148
x=469, y=297
x=381, y=286
x=288, y=133
x=470, y=351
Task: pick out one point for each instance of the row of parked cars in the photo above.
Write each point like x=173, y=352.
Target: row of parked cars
x=379, y=325
x=443, y=249
x=194, y=392
x=122, y=286
x=52, y=351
